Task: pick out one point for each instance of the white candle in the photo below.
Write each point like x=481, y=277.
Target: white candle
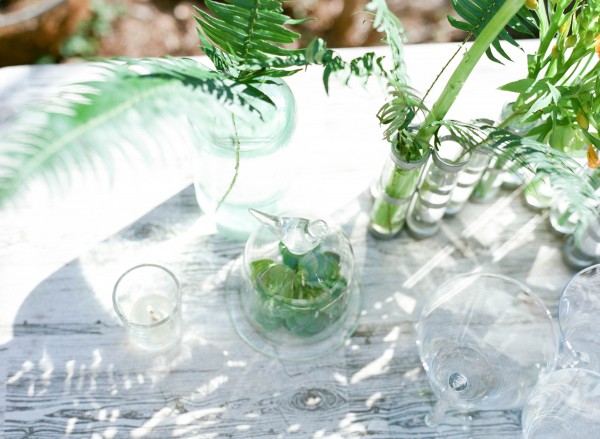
x=151, y=309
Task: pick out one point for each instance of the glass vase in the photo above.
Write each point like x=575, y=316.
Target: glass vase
x=397, y=184
x=562, y=219
x=515, y=177
x=468, y=178
x=583, y=251
x=538, y=193
x=440, y=177
x=563, y=216
x=242, y=160
x=490, y=183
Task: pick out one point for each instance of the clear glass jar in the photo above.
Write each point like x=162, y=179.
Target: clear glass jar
x=440, y=177
x=538, y=193
x=396, y=186
x=243, y=162
x=490, y=183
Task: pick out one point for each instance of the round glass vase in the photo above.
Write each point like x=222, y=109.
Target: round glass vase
x=292, y=306
x=440, y=177
x=397, y=184
x=242, y=159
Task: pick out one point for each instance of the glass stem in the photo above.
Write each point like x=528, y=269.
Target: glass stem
x=566, y=360
x=433, y=418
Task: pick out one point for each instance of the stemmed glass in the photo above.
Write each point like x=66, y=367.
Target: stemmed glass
x=564, y=405
x=484, y=340
x=578, y=311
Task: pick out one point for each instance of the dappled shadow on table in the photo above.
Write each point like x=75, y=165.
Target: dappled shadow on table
x=72, y=371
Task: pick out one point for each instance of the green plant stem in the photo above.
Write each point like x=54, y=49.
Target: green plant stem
x=237, y=164
x=383, y=212
x=388, y=218
x=487, y=36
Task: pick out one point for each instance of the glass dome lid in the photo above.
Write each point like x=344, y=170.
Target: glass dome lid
x=294, y=294
x=298, y=260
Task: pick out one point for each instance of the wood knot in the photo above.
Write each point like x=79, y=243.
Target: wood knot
x=144, y=231
x=315, y=399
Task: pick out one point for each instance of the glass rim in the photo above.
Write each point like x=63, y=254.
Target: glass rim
x=522, y=287
x=168, y=317
x=448, y=165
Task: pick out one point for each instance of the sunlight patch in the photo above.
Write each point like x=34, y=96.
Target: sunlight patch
x=406, y=303
x=377, y=367
x=393, y=335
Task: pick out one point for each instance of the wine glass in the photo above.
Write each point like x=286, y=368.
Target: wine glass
x=564, y=405
x=578, y=310
x=484, y=340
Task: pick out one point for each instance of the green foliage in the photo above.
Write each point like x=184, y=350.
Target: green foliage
x=476, y=15
x=403, y=102
x=561, y=92
x=564, y=173
x=300, y=293
x=92, y=122
x=244, y=33
x=124, y=111
x=243, y=39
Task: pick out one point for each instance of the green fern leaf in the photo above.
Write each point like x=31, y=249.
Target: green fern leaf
x=241, y=33
x=125, y=112
x=477, y=13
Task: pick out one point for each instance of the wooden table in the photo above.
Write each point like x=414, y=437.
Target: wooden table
x=69, y=370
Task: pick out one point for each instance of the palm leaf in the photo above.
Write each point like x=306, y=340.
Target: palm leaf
x=476, y=14
x=124, y=112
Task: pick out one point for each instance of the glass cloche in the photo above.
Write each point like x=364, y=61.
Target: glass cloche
x=295, y=293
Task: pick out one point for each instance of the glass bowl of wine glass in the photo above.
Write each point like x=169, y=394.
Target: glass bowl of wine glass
x=564, y=405
x=578, y=310
x=485, y=340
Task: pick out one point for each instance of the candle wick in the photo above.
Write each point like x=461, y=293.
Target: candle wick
x=153, y=314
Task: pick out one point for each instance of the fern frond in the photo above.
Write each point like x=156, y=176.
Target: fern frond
x=128, y=111
x=386, y=22
x=403, y=102
x=476, y=14
x=245, y=32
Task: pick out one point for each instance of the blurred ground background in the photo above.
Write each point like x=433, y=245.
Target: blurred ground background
x=33, y=31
